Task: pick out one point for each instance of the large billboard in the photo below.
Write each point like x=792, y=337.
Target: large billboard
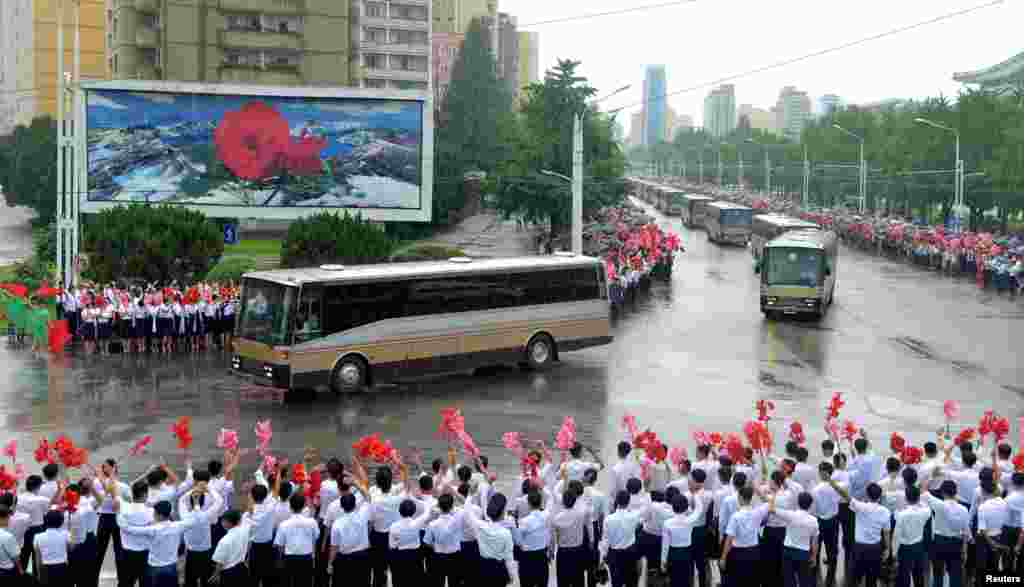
x=257, y=151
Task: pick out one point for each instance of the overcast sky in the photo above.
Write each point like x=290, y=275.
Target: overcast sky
x=703, y=41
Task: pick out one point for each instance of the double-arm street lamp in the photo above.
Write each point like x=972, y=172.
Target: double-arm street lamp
x=863, y=196
x=958, y=174
x=577, y=173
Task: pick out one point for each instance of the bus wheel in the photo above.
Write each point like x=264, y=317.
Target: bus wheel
x=540, y=352
x=349, y=375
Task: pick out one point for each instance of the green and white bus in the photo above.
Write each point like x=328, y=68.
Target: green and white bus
x=350, y=327
x=693, y=209
x=726, y=222
x=765, y=227
x=798, y=273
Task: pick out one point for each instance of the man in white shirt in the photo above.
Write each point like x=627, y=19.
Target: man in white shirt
x=297, y=538
x=18, y=523
x=804, y=474
x=1012, y=533
x=728, y=507
x=49, y=488
x=230, y=554
x=950, y=526
x=741, y=555
x=826, y=509
x=867, y=466
x=444, y=536
x=199, y=538
x=51, y=550
x=10, y=566
x=627, y=468
x=801, y=543
x=533, y=537
x=575, y=468
x=222, y=481
x=131, y=567
x=107, y=530
x=597, y=504
x=495, y=541
x=36, y=506
x=349, y=559
x=774, y=536
x=165, y=537
x=993, y=514
x=651, y=529
x=677, y=546
x=908, y=539
x=261, y=517
x=82, y=521
x=470, y=547
x=871, y=529
x=383, y=513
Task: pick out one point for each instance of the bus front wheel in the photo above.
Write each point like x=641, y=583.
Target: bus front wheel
x=349, y=375
x=540, y=352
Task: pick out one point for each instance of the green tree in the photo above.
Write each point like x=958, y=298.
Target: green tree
x=150, y=243
x=28, y=168
x=334, y=238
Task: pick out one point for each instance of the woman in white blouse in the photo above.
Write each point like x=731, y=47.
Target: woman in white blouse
x=496, y=547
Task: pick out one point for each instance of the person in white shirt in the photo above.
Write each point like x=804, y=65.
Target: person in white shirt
x=908, y=539
x=165, y=537
x=993, y=514
x=574, y=469
x=444, y=536
x=868, y=468
x=640, y=499
x=383, y=513
x=349, y=559
x=107, y=530
x=262, y=505
x=199, y=538
x=297, y=538
x=651, y=528
x=51, y=550
x=222, y=481
x=231, y=551
x=774, y=536
x=10, y=567
x=950, y=526
x=676, y=556
x=741, y=554
x=1012, y=533
x=619, y=540
x=871, y=529
x=18, y=523
x=82, y=521
x=131, y=565
x=49, y=488
x=496, y=544
x=707, y=462
x=627, y=468
x=726, y=509
x=36, y=506
x=470, y=546
x=801, y=543
x=845, y=477
x=404, y=542
x=533, y=537
x=804, y=474
x=571, y=524
x=597, y=503
x=826, y=509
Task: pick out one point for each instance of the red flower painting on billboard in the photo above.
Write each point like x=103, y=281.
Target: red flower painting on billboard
x=255, y=144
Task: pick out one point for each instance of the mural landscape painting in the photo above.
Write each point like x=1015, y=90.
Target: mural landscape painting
x=264, y=151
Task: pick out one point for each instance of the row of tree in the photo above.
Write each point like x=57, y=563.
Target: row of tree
x=910, y=163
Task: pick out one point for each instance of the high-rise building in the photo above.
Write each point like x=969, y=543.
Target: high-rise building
x=281, y=42
x=636, y=129
x=445, y=49
x=529, y=61
x=675, y=122
x=28, y=55
x=455, y=16
x=793, y=111
x=505, y=46
x=827, y=104
x=720, y=111
x=394, y=45
x=760, y=119
x=654, y=105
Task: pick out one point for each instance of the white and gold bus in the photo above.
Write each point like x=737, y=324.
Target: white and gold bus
x=798, y=273
x=693, y=208
x=350, y=327
x=765, y=227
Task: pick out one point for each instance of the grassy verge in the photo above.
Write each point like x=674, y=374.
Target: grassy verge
x=255, y=248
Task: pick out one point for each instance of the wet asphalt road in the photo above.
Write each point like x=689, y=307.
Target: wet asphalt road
x=15, y=233
x=692, y=354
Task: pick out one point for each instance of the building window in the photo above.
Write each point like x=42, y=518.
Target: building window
x=241, y=57
x=375, y=61
x=416, y=38
x=377, y=84
x=151, y=21
x=243, y=22
x=282, y=58
x=282, y=24
x=408, y=63
x=376, y=35
x=115, y=63
x=375, y=10
x=403, y=12
x=150, y=57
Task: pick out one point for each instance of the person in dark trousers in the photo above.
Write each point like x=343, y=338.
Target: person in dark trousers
x=107, y=531
x=404, y=542
x=199, y=539
x=11, y=572
x=950, y=524
x=826, y=509
x=384, y=512
x=677, y=534
x=1012, y=558
x=261, y=515
x=700, y=530
x=532, y=536
x=52, y=551
x=297, y=538
x=871, y=527
x=229, y=555
x=741, y=554
x=908, y=539
x=443, y=536
x=846, y=517
x=801, y=544
x=469, y=547
x=774, y=534
x=131, y=570
x=619, y=544
x=36, y=506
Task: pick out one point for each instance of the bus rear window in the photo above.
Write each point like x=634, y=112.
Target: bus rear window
x=266, y=312
x=737, y=217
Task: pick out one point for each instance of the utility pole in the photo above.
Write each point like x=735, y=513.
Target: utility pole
x=700, y=163
x=70, y=161
x=577, y=183
x=807, y=178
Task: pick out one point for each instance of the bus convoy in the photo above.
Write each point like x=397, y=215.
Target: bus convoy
x=350, y=327
x=347, y=328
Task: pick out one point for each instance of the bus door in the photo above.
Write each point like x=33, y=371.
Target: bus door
x=309, y=315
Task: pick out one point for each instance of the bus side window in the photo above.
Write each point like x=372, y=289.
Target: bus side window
x=501, y=293
x=585, y=284
x=531, y=288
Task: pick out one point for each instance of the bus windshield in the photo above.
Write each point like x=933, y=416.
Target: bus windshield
x=265, y=312
x=801, y=267
x=736, y=217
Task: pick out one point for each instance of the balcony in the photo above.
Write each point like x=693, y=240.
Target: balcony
x=147, y=37
x=393, y=48
x=264, y=6
x=147, y=71
x=396, y=74
x=148, y=6
x=260, y=40
x=381, y=22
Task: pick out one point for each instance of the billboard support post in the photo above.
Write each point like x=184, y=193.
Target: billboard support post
x=68, y=156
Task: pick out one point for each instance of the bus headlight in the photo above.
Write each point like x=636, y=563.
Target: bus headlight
x=772, y=300
x=236, y=362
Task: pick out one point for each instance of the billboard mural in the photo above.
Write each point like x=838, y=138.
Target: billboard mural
x=278, y=156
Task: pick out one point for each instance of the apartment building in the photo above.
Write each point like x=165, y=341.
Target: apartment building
x=279, y=42
x=444, y=49
x=28, y=54
x=793, y=110
x=720, y=111
x=394, y=43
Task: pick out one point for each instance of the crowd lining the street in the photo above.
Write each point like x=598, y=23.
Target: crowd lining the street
x=736, y=510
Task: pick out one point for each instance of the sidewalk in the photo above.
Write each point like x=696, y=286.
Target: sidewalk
x=487, y=234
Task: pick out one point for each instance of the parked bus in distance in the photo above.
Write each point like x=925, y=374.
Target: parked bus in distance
x=351, y=327
x=798, y=273
x=726, y=222
x=765, y=227
x=692, y=212
x=674, y=199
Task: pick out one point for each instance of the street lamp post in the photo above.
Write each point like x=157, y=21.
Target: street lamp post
x=700, y=164
x=719, y=165
x=577, y=174
x=863, y=169
x=958, y=173
x=807, y=178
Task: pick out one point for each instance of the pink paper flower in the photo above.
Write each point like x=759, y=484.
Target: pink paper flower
x=11, y=449
x=629, y=424
x=227, y=439
x=645, y=469
x=140, y=446
x=264, y=433
x=676, y=456
x=951, y=409
x=468, y=446
x=269, y=464
x=19, y=472
x=701, y=438
x=512, y=441
x=566, y=437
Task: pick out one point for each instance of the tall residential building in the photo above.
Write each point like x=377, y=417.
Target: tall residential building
x=654, y=115
x=1001, y=76
x=759, y=118
x=505, y=45
x=445, y=49
x=675, y=122
x=827, y=104
x=793, y=112
x=455, y=16
x=529, y=61
x=394, y=43
x=28, y=55
x=720, y=111
x=280, y=42
x=636, y=129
